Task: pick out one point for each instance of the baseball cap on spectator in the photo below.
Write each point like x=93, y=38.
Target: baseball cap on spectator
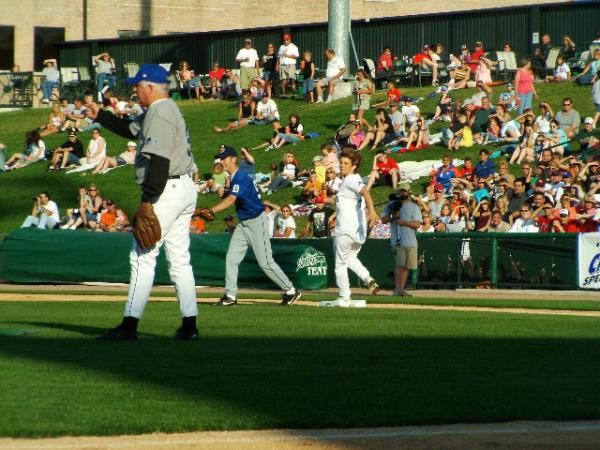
x=109, y=202
x=405, y=186
x=509, y=86
x=319, y=199
x=478, y=44
x=564, y=212
x=438, y=187
x=131, y=144
x=225, y=151
x=405, y=98
x=566, y=175
x=287, y=36
x=588, y=121
x=540, y=183
x=443, y=88
x=247, y=41
x=317, y=158
x=72, y=133
x=150, y=72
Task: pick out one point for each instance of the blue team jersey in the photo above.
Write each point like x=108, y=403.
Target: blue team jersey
x=248, y=204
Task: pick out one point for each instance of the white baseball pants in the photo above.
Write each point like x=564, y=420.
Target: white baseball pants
x=174, y=209
x=346, y=257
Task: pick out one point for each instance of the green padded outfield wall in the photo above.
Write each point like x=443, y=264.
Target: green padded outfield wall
x=404, y=34
x=445, y=260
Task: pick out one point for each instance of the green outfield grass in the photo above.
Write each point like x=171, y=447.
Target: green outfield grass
x=17, y=188
x=271, y=367
x=558, y=304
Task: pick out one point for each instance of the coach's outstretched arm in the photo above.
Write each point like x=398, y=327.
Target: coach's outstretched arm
x=118, y=125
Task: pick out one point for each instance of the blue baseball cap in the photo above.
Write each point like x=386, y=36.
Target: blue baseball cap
x=225, y=151
x=150, y=72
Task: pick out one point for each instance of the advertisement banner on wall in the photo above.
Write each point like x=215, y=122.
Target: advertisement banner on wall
x=589, y=260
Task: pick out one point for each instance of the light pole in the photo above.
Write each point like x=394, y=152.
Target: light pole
x=338, y=33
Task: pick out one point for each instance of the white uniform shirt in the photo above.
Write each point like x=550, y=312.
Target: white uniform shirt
x=266, y=109
x=290, y=49
x=334, y=66
x=249, y=53
x=351, y=218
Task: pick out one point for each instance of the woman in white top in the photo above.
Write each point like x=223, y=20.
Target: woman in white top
x=35, y=150
x=55, y=121
x=127, y=157
x=96, y=151
x=427, y=226
x=542, y=122
x=286, y=226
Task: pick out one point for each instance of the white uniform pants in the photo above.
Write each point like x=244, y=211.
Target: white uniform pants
x=346, y=252
x=174, y=209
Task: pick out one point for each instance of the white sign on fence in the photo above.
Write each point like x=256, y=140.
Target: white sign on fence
x=589, y=260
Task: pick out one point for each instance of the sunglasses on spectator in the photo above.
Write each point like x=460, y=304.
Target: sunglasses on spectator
x=566, y=104
x=524, y=210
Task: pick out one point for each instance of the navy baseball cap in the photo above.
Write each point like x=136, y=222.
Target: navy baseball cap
x=150, y=72
x=225, y=151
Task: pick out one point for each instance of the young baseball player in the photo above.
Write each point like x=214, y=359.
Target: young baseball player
x=163, y=166
x=251, y=231
x=351, y=227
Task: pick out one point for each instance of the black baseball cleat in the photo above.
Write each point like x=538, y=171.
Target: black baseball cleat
x=118, y=334
x=226, y=301
x=187, y=334
x=290, y=299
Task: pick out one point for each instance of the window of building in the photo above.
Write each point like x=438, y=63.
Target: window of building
x=7, y=47
x=45, y=40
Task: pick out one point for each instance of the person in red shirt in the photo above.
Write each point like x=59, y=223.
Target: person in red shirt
x=545, y=218
x=385, y=63
x=385, y=171
x=473, y=61
x=564, y=224
x=585, y=215
x=215, y=76
x=392, y=95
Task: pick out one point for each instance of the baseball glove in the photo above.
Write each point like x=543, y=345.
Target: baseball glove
x=146, y=227
x=205, y=213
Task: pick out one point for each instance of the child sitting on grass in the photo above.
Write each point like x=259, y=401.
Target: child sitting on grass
x=218, y=182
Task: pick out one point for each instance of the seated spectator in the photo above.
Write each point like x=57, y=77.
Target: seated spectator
x=334, y=72
x=35, y=150
x=287, y=173
x=428, y=59
x=443, y=176
x=257, y=88
x=497, y=224
x=455, y=133
x=330, y=158
x=565, y=204
x=74, y=215
x=133, y=109
x=398, y=121
x=427, y=225
x=587, y=141
x=383, y=132
x=436, y=202
x=587, y=215
x=410, y=110
x=112, y=218
x=215, y=77
x=567, y=51
x=96, y=150
x=493, y=130
x=313, y=187
x=55, y=121
x=485, y=168
x=392, y=96
x=127, y=157
x=508, y=99
x=482, y=214
x=525, y=149
x=590, y=71
x=229, y=224
x=68, y=153
x=568, y=118
x=385, y=63
x=105, y=65
x=524, y=223
x=44, y=214
x=190, y=81
x=285, y=226
x=230, y=86
x=562, y=72
x=482, y=189
x=504, y=174
x=542, y=122
x=419, y=137
x=318, y=224
x=564, y=224
x=51, y=79
x=266, y=111
x=197, y=225
x=518, y=198
x=294, y=132
x=443, y=110
x=76, y=117
x=246, y=111
x=483, y=74
x=557, y=139
x=332, y=183
x=460, y=76
x=219, y=181
x=385, y=171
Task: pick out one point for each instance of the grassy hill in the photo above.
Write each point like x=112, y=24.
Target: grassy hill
x=18, y=187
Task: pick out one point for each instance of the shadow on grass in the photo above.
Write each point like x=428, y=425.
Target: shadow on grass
x=306, y=382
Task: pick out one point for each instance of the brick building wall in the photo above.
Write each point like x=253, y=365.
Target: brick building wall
x=105, y=18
